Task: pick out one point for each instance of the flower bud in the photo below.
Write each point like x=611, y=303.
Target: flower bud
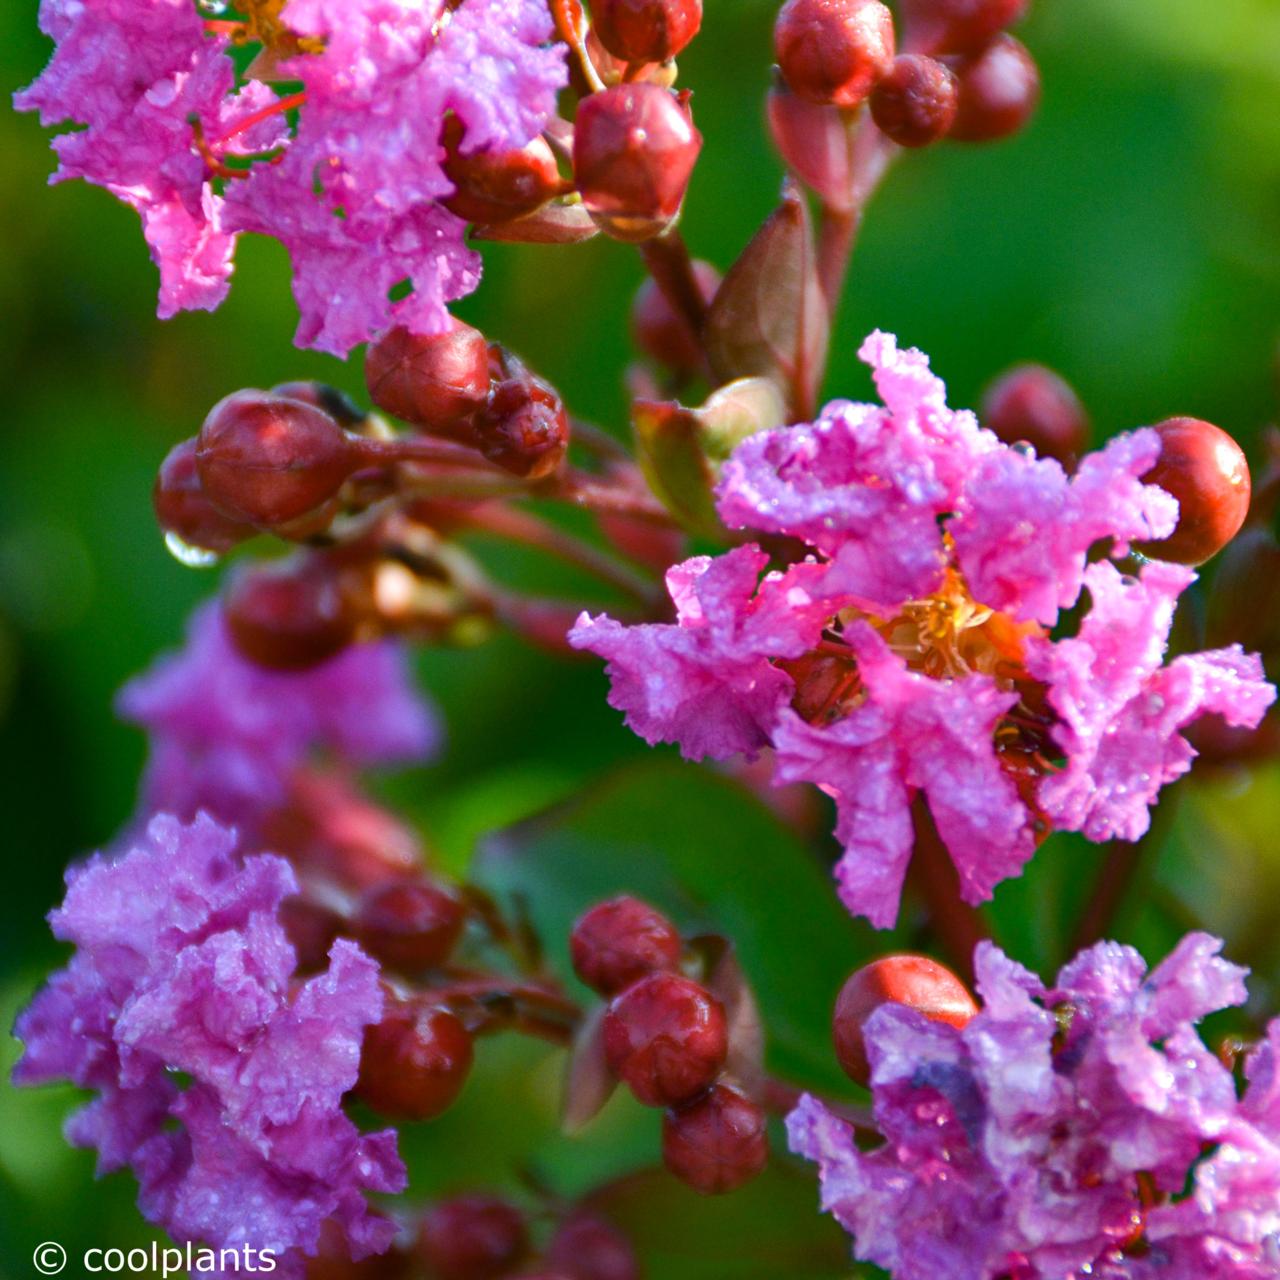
x=634, y=148
x=1207, y=472
x=436, y=382
x=957, y=26
x=587, y=1247
x=915, y=104
x=472, y=1238
x=1034, y=405
x=666, y=1037
x=1244, y=598
x=833, y=51
x=414, y=1061
x=311, y=929
x=409, y=924
x=662, y=333
x=289, y=615
x=524, y=427
x=185, y=512
x=271, y=461
x=915, y=981
x=999, y=91
x=492, y=187
x=639, y=31
x=717, y=1143
x=618, y=942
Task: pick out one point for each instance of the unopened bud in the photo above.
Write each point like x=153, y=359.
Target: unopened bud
x=999, y=92
x=493, y=187
x=524, y=427
x=436, y=382
x=717, y=1143
x=414, y=1061
x=639, y=31
x=834, y=51
x=916, y=103
x=184, y=510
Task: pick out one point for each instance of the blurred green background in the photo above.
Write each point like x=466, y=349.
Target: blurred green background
x=1131, y=239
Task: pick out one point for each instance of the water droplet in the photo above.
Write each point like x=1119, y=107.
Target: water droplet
x=212, y=8
x=192, y=557
x=1024, y=449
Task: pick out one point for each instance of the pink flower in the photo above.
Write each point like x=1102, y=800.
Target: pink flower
x=228, y=736
x=1055, y=1134
x=352, y=194
x=708, y=682
x=919, y=664
x=182, y=966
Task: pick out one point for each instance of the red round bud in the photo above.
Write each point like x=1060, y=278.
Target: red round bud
x=717, y=1143
x=436, y=382
x=957, y=26
x=1207, y=472
x=666, y=1037
x=409, y=924
x=999, y=92
x=1033, y=405
x=639, y=31
x=915, y=981
x=617, y=942
x=472, y=1238
x=311, y=929
x=337, y=404
x=269, y=460
x=183, y=509
x=290, y=615
x=661, y=332
x=915, y=104
x=634, y=148
x=589, y=1248
x=498, y=186
x=834, y=51
x=1244, y=599
x=414, y=1062
x=523, y=428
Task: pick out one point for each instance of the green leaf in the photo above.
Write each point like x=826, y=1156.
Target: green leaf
x=701, y=847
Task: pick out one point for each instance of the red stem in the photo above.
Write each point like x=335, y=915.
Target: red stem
x=667, y=260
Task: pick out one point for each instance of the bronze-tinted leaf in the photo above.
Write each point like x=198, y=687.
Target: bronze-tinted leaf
x=671, y=455
x=588, y=1083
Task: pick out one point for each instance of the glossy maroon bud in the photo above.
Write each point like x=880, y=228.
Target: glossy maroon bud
x=185, y=512
x=1032, y=404
x=492, y=187
x=410, y=924
x=915, y=981
x=666, y=1037
x=472, y=1238
x=915, y=104
x=269, y=460
x=337, y=404
x=957, y=26
x=289, y=615
x=815, y=139
x=588, y=1248
x=634, y=148
x=523, y=428
x=834, y=51
x=1244, y=598
x=662, y=333
x=312, y=929
x=437, y=383
x=999, y=92
x=414, y=1062
x=617, y=942
x=1207, y=472
x=640, y=31
x=717, y=1143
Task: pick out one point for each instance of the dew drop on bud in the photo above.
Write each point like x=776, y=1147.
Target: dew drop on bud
x=193, y=557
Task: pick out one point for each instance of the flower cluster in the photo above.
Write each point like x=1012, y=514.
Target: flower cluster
x=231, y=738
x=1078, y=1130
x=353, y=191
x=909, y=647
x=182, y=966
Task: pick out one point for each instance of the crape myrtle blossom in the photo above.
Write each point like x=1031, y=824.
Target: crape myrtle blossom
x=1077, y=1130
x=228, y=736
x=352, y=191
x=911, y=653
x=218, y=1076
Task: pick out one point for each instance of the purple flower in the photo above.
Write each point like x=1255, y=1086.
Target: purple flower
x=353, y=192
x=182, y=966
x=919, y=663
x=227, y=735
x=1078, y=1130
